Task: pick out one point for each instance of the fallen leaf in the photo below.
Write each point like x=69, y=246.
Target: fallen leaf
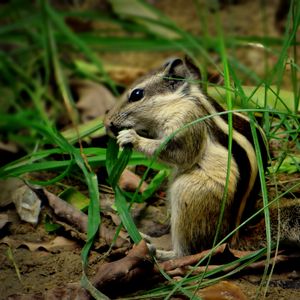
x=114, y=217
x=93, y=99
x=223, y=290
x=27, y=203
x=75, y=198
x=79, y=220
x=8, y=187
x=3, y=220
x=57, y=244
x=67, y=211
x=127, y=273
x=130, y=181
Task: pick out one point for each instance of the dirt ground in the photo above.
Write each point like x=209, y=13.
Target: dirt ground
x=41, y=266
x=44, y=263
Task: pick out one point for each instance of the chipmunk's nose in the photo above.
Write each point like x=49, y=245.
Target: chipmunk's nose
x=113, y=128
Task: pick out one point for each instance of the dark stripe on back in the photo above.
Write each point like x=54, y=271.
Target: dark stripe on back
x=239, y=154
x=242, y=126
x=242, y=161
x=239, y=124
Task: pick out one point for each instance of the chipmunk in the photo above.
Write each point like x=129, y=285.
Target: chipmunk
x=161, y=103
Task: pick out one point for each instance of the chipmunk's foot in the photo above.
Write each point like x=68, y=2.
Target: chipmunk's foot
x=127, y=137
x=160, y=255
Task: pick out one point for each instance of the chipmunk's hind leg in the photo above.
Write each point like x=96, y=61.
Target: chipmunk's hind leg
x=195, y=207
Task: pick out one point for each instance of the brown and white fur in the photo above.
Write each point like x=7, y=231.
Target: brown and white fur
x=161, y=103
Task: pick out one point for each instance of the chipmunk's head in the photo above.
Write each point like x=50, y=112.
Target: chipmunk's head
x=148, y=100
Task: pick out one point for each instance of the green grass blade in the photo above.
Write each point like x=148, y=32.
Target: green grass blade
x=119, y=166
x=77, y=42
x=115, y=168
x=125, y=216
x=155, y=184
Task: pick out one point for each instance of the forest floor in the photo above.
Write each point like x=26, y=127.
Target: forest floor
x=33, y=261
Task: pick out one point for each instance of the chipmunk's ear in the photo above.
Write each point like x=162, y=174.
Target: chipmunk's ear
x=179, y=68
x=193, y=69
x=174, y=66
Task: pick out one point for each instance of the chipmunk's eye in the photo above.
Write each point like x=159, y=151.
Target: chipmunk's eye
x=136, y=95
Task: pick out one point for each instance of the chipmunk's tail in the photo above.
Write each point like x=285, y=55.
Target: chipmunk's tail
x=285, y=228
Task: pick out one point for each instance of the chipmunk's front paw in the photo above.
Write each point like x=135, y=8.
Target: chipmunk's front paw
x=127, y=137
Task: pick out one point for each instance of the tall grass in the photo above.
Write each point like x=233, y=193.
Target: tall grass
x=38, y=51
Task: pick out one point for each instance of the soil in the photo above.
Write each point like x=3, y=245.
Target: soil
x=42, y=269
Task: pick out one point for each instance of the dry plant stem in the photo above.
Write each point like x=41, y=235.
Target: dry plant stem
x=79, y=219
x=189, y=260
x=181, y=266
x=132, y=270
x=279, y=259
x=182, y=271
x=126, y=273
x=71, y=230
x=68, y=212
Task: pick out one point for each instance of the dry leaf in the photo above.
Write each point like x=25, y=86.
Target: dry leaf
x=130, y=181
x=57, y=244
x=127, y=273
x=27, y=203
x=223, y=290
x=3, y=220
x=93, y=99
x=67, y=211
x=8, y=187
